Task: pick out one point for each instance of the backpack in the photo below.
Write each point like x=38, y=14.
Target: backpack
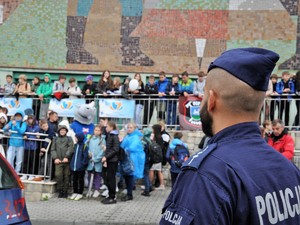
x=126, y=165
x=181, y=154
x=155, y=152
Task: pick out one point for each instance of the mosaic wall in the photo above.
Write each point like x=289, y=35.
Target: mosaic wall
x=144, y=35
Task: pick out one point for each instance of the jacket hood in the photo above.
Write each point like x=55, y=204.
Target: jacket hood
x=64, y=123
x=176, y=142
x=47, y=75
x=114, y=132
x=80, y=137
x=62, y=127
x=4, y=116
x=20, y=112
x=147, y=132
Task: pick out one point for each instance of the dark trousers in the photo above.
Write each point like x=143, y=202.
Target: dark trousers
x=172, y=117
x=31, y=162
x=146, y=177
x=129, y=180
x=78, y=181
x=273, y=106
x=62, y=175
x=148, y=111
x=173, y=178
x=285, y=105
x=297, y=117
x=111, y=178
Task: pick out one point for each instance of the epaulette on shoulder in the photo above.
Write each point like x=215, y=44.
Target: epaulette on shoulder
x=195, y=160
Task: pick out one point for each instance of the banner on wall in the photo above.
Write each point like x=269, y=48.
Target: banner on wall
x=65, y=107
x=116, y=108
x=189, y=113
x=12, y=105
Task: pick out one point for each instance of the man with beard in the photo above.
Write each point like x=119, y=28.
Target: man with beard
x=280, y=140
x=238, y=178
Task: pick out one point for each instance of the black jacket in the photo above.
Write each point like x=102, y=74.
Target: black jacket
x=112, y=146
x=91, y=87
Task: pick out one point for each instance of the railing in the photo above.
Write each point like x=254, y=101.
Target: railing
x=35, y=159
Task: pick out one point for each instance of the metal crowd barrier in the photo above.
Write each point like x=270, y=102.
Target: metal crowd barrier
x=37, y=162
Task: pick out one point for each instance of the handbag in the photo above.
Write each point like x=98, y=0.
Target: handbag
x=127, y=166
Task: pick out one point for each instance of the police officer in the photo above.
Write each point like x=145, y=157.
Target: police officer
x=237, y=179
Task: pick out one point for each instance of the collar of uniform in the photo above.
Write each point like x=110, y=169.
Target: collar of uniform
x=238, y=130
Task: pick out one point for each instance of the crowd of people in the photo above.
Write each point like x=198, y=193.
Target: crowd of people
x=47, y=89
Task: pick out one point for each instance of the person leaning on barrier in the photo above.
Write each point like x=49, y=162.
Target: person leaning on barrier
x=10, y=86
x=23, y=88
x=44, y=92
x=238, y=178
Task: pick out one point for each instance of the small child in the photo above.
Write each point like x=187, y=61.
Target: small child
x=31, y=159
x=170, y=155
x=16, y=142
x=10, y=86
x=78, y=165
x=62, y=149
x=3, y=120
x=96, y=151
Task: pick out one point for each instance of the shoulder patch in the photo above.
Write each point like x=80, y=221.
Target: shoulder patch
x=195, y=160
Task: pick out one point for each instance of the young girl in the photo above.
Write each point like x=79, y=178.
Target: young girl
x=3, y=120
x=97, y=147
x=139, y=103
x=78, y=165
x=31, y=154
x=105, y=83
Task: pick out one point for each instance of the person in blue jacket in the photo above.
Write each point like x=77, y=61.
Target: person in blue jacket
x=16, y=141
x=186, y=85
x=173, y=90
x=78, y=165
x=132, y=144
x=161, y=106
x=237, y=178
x=31, y=154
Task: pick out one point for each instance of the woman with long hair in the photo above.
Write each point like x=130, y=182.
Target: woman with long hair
x=105, y=83
x=139, y=105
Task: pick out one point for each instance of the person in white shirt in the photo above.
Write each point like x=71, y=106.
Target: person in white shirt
x=60, y=86
x=199, y=85
x=73, y=90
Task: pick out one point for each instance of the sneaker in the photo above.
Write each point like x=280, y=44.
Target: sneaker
x=124, y=192
x=73, y=196
x=103, y=187
x=107, y=201
x=126, y=198
x=78, y=197
x=104, y=193
x=31, y=178
x=160, y=188
x=117, y=189
x=24, y=177
x=96, y=194
x=145, y=193
x=143, y=187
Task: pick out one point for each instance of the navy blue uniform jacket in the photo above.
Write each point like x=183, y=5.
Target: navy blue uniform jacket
x=237, y=179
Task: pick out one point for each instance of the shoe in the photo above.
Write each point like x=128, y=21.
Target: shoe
x=143, y=187
x=108, y=201
x=160, y=188
x=104, y=193
x=24, y=177
x=78, y=197
x=124, y=192
x=117, y=189
x=73, y=196
x=60, y=195
x=31, y=178
x=96, y=194
x=126, y=198
x=65, y=195
x=145, y=193
x=103, y=187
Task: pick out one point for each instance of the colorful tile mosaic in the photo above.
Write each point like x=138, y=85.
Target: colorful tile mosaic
x=83, y=7
x=9, y=6
x=193, y=4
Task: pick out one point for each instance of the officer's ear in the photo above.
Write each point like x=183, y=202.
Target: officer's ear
x=211, y=101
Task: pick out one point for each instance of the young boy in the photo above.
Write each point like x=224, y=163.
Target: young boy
x=150, y=88
x=10, y=86
x=182, y=155
x=73, y=91
x=61, y=151
x=44, y=92
x=16, y=142
x=172, y=90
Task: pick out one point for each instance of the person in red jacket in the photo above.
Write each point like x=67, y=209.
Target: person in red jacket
x=280, y=140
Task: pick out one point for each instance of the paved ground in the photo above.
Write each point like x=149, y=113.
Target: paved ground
x=142, y=210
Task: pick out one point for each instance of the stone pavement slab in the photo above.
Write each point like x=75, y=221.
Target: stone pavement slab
x=142, y=210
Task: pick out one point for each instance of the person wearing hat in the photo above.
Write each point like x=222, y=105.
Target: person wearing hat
x=15, y=151
x=238, y=178
x=89, y=88
x=44, y=92
x=61, y=151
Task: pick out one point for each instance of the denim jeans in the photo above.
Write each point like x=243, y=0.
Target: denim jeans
x=138, y=115
x=146, y=177
x=172, y=117
x=129, y=180
x=18, y=153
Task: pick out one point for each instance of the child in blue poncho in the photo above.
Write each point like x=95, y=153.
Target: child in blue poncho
x=133, y=146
